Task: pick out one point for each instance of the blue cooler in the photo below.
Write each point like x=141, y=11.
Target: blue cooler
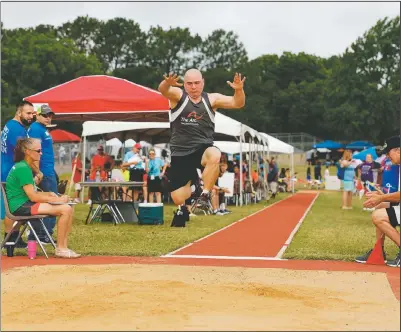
x=150, y=214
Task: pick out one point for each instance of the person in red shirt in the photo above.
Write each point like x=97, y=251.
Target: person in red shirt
x=100, y=159
x=77, y=176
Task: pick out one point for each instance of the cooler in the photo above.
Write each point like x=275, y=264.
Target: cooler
x=150, y=213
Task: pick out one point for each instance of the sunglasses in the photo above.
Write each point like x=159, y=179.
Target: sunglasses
x=49, y=115
x=38, y=150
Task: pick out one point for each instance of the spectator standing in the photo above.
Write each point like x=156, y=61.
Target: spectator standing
x=153, y=167
x=49, y=182
x=349, y=178
x=13, y=130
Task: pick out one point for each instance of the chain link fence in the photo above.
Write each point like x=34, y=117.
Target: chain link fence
x=300, y=141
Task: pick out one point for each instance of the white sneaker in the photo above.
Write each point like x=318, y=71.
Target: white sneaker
x=66, y=253
x=76, y=200
x=89, y=202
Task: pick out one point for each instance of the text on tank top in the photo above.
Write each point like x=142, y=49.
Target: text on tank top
x=192, y=125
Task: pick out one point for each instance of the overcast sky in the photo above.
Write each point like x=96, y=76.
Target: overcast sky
x=323, y=29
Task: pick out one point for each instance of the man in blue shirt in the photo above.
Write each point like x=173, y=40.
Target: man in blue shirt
x=49, y=181
x=390, y=176
x=12, y=131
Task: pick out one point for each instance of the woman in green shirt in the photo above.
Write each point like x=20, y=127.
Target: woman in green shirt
x=24, y=200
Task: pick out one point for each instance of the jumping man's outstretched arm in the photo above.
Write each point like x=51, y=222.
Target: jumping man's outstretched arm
x=230, y=102
x=168, y=88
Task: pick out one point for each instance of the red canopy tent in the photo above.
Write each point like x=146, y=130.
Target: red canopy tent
x=101, y=97
x=63, y=136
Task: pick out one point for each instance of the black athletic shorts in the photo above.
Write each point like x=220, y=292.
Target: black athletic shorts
x=136, y=174
x=155, y=185
x=183, y=168
x=393, y=213
x=29, y=208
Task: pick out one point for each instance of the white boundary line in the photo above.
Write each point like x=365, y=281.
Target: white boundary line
x=287, y=243
x=255, y=258
x=221, y=229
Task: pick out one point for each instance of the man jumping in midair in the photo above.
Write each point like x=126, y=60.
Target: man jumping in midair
x=192, y=130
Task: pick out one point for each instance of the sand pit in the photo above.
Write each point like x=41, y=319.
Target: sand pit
x=165, y=297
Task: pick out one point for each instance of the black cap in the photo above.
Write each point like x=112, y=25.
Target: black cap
x=389, y=144
x=44, y=109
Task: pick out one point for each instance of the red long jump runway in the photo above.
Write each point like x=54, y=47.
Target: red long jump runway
x=263, y=235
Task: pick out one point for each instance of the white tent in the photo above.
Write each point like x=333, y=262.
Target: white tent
x=90, y=128
x=277, y=146
x=223, y=125
x=129, y=143
x=113, y=146
x=234, y=147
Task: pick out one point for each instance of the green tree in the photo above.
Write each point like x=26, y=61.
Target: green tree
x=120, y=43
x=32, y=62
x=222, y=49
x=83, y=31
x=171, y=50
x=362, y=95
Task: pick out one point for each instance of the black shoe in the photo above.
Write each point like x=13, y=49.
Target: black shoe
x=45, y=240
x=362, y=259
x=394, y=262
x=185, y=212
x=178, y=219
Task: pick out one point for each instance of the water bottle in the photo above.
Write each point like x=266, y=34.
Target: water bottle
x=109, y=176
x=97, y=176
x=10, y=249
x=32, y=249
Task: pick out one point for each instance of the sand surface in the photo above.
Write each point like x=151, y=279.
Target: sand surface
x=166, y=297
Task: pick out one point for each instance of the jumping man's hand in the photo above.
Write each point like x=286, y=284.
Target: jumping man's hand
x=172, y=80
x=237, y=84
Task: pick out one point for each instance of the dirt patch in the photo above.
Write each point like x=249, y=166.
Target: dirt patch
x=161, y=297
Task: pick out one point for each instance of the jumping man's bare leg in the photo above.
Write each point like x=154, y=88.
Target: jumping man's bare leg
x=211, y=161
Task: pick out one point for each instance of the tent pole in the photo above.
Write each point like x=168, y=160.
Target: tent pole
x=83, y=159
x=293, y=171
x=241, y=180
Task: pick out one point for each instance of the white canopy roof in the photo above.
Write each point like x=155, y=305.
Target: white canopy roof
x=90, y=128
x=223, y=125
x=275, y=145
x=234, y=147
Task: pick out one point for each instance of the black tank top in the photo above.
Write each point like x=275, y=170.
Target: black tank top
x=192, y=125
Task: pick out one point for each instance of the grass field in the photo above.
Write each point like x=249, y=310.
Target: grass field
x=326, y=233
x=146, y=240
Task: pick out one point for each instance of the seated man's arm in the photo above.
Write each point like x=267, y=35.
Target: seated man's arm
x=392, y=197
x=375, y=198
x=42, y=197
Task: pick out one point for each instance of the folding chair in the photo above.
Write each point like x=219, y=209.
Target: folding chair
x=196, y=206
x=24, y=221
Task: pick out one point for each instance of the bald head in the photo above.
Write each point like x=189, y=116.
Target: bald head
x=193, y=83
x=193, y=75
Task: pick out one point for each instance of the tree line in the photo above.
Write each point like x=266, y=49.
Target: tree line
x=349, y=96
